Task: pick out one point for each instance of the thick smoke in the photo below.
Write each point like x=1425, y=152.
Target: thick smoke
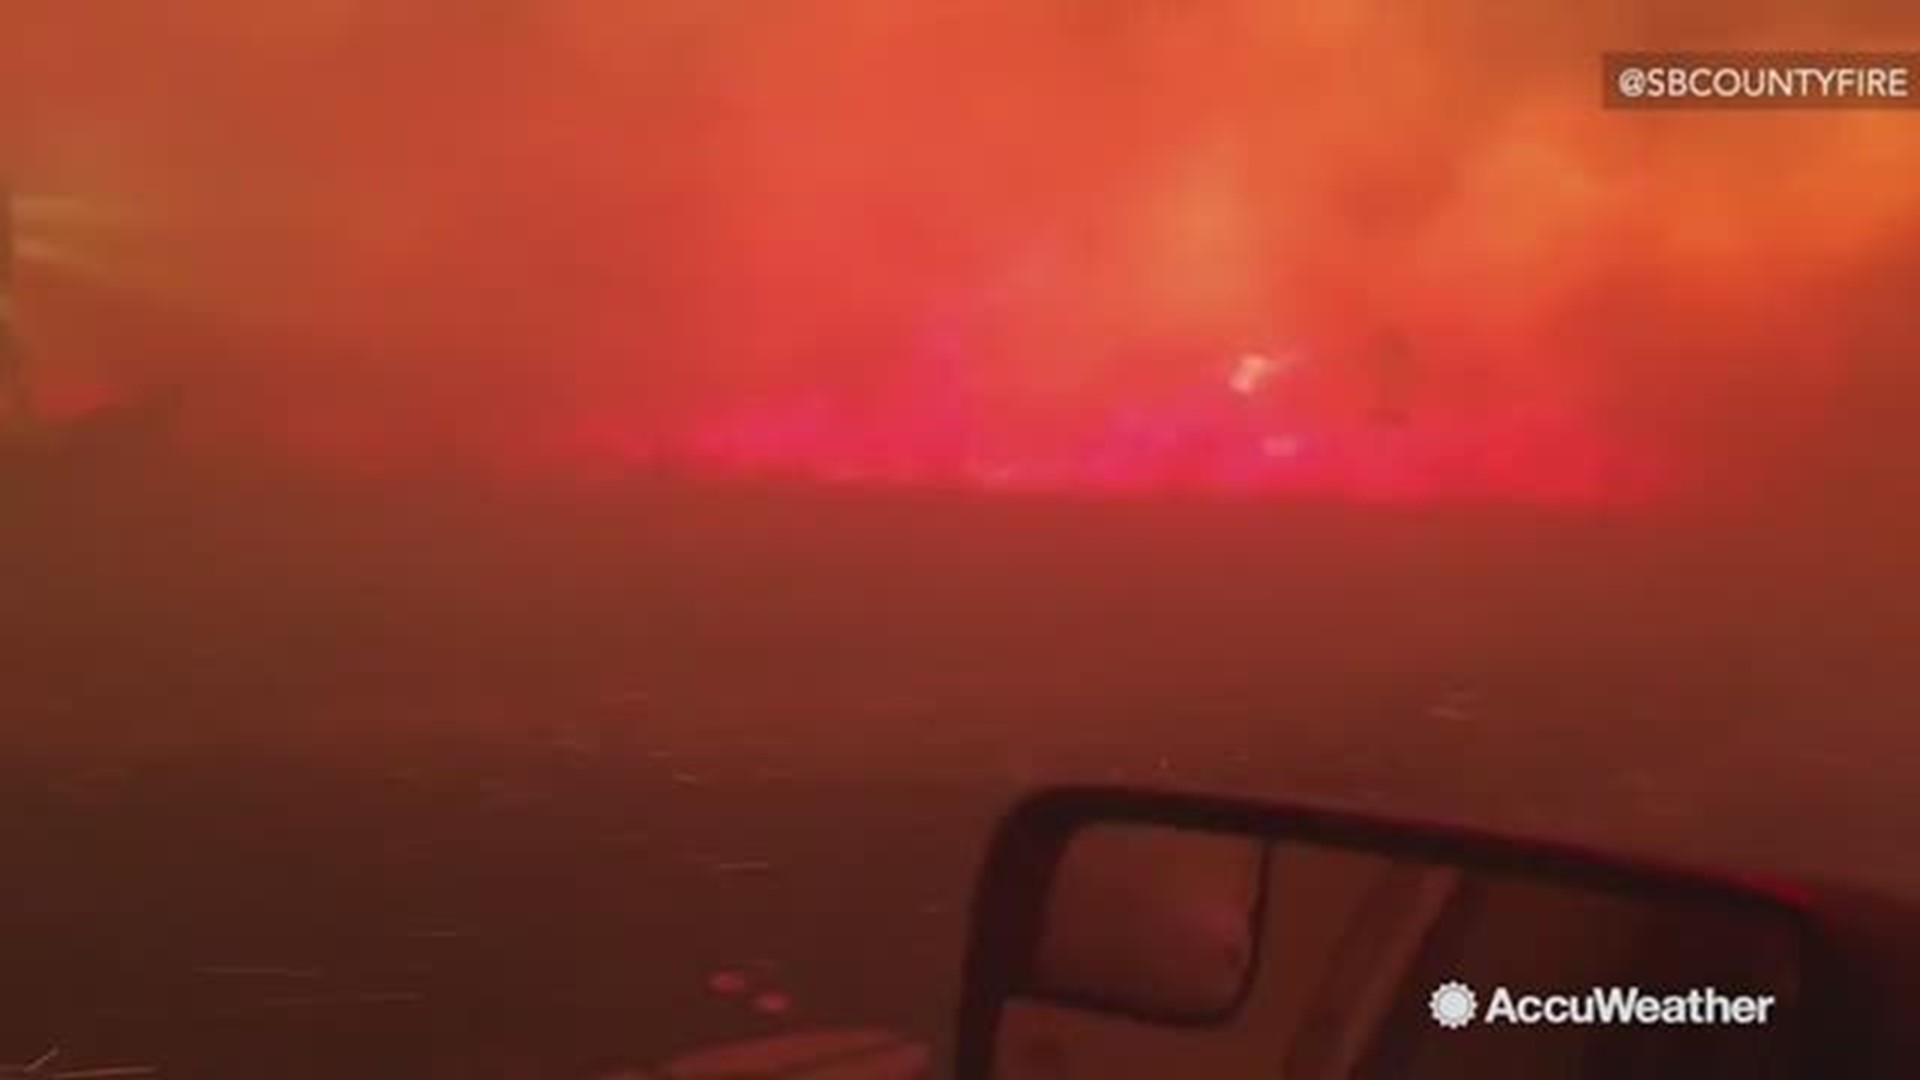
x=498, y=223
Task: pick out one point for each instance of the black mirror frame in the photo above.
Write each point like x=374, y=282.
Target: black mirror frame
x=1010, y=895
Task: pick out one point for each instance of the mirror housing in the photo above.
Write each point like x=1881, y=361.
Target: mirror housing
x=1153, y=921
x=1411, y=887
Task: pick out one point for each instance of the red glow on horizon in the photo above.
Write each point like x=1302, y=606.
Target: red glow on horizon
x=1206, y=448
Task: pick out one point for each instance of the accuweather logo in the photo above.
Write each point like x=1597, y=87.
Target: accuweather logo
x=1455, y=1005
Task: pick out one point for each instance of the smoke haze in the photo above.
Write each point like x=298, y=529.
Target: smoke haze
x=840, y=231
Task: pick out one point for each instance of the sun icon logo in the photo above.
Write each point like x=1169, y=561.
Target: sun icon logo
x=1453, y=1005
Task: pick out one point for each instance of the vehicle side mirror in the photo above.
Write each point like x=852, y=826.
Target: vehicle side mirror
x=1123, y=934
x=1153, y=920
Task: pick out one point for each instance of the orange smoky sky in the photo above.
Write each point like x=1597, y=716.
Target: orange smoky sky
x=497, y=220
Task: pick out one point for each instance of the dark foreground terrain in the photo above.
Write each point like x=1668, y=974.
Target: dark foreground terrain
x=391, y=777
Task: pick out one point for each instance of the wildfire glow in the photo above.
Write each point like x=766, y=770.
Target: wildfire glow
x=1352, y=248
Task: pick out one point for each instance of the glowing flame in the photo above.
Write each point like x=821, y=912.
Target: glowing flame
x=1240, y=245
x=1249, y=374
